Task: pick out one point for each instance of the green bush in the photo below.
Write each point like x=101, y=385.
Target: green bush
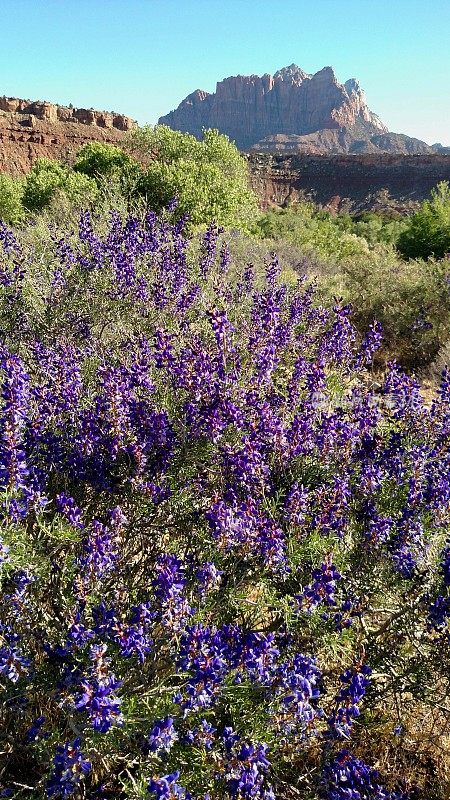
x=208, y=178
x=410, y=299
x=428, y=232
x=109, y=166
x=376, y=228
x=311, y=230
x=48, y=178
x=11, y=192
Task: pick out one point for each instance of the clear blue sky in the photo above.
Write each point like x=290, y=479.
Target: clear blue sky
x=142, y=57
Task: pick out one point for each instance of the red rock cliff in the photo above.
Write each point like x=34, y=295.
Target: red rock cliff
x=36, y=129
x=249, y=108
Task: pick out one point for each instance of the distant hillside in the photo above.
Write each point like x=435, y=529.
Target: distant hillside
x=36, y=129
x=292, y=111
x=360, y=182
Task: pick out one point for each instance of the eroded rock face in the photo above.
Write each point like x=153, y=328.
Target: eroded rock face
x=391, y=183
x=31, y=130
x=50, y=112
x=249, y=108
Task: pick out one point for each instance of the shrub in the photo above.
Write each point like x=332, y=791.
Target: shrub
x=303, y=226
x=209, y=178
x=410, y=299
x=100, y=160
x=428, y=232
x=224, y=559
x=47, y=178
x=109, y=166
x=11, y=193
x=376, y=228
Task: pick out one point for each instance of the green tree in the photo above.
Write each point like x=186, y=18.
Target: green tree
x=428, y=232
x=305, y=228
x=11, y=193
x=48, y=178
x=108, y=164
x=209, y=177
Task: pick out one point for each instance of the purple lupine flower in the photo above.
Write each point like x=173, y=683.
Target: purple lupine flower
x=209, y=249
x=208, y=577
x=66, y=505
x=347, y=701
x=14, y=394
x=296, y=504
x=167, y=788
x=323, y=588
x=169, y=586
x=246, y=766
x=162, y=736
x=34, y=732
x=98, y=693
x=12, y=663
x=349, y=778
x=257, y=654
x=370, y=344
x=69, y=768
x=203, y=736
x=439, y=612
x=295, y=687
x=100, y=548
x=242, y=527
x=203, y=654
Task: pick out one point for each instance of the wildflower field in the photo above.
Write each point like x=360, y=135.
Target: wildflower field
x=224, y=553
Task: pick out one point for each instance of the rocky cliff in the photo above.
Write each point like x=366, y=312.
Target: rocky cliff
x=291, y=111
x=36, y=129
x=384, y=182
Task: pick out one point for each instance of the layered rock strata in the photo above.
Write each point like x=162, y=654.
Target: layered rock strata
x=291, y=111
x=31, y=130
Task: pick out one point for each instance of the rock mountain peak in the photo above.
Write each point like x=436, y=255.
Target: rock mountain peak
x=291, y=111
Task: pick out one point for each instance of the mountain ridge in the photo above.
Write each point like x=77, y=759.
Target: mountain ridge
x=258, y=111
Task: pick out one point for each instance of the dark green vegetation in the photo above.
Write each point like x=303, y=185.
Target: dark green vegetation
x=224, y=552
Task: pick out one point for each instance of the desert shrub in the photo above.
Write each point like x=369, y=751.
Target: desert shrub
x=109, y=166
x=98, y=159
x=410, y=299
x=208, y=177
x=373, y=226
x=49, y=178
x=224, y=560
x=428, y=232
x=311, y=230
x=11, y=192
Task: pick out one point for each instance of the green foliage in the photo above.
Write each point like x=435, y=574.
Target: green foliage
x=99, y=159
x=49, y=178
x=311, y=230
x=374, y=227
x=11, y=192
x=410, y=299
x=108, y=165
x=428, y=232
x=209, y=178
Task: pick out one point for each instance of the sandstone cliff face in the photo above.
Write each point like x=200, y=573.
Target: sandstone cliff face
x=290, y=112
x=250, y=108
x=381, y=181
x=31, y=130
x=49, y=112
